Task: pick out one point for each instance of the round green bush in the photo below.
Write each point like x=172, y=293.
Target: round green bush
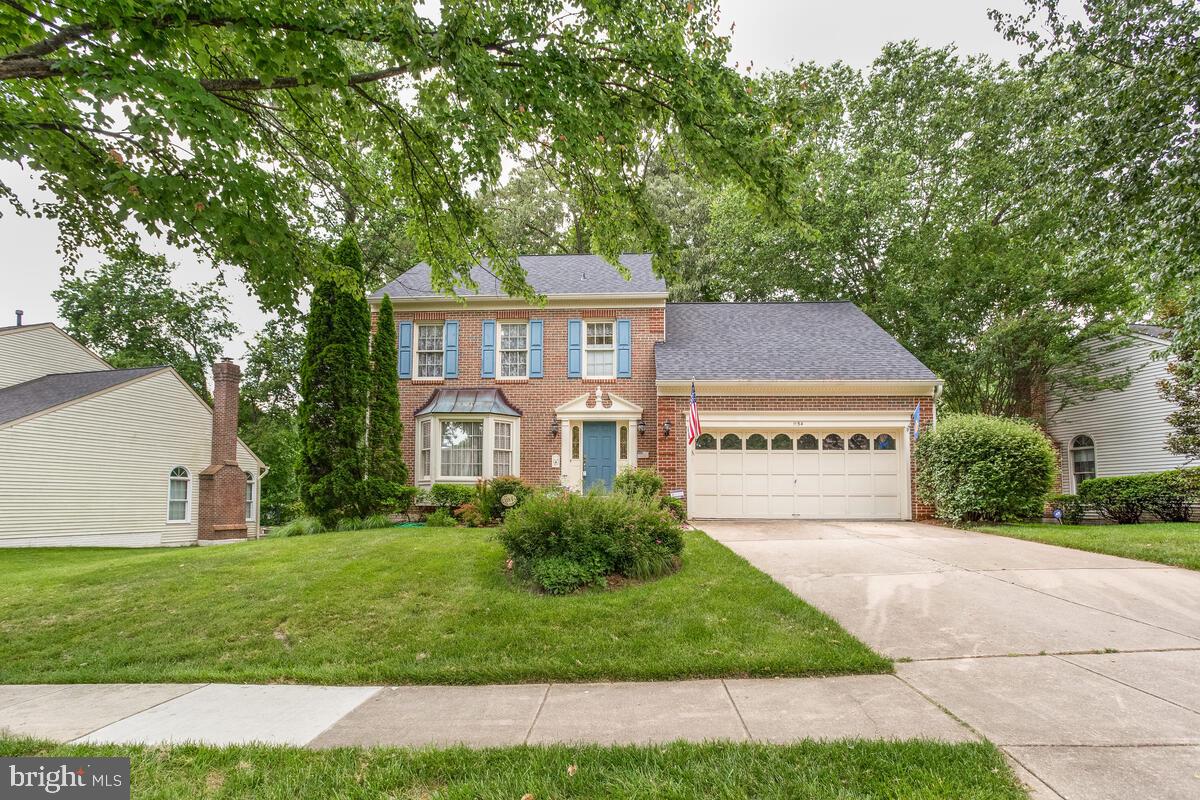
x=563, y=542
x=975, y=468
x=638, y=482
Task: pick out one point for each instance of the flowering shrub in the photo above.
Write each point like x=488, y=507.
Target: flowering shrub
x=565, y=542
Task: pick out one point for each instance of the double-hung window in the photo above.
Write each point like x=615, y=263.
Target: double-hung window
x=600, y=356
x=249, y=497
x=424, y=461
x=514, y=350
x=179, y=485
x=462, y=449
x=431, y=354
x=502, y=449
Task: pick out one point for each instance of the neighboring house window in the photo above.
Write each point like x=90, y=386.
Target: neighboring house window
x=1083, y=459
x=426, y=440
x=502, y=450
x=462, y=449
x=430, y=353
x=179, y=486
x=249, y=497
x=514, y=350
x=600, y=356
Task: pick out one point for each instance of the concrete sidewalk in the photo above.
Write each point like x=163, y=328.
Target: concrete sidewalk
x=777, y=711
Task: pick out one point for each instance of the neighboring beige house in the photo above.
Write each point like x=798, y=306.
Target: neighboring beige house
x=96, y=456
x=1117, y=432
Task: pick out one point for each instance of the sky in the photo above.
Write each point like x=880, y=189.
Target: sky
x=769, y=33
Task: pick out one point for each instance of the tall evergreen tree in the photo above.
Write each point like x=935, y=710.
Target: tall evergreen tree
x=334, y=385
x=385, y=467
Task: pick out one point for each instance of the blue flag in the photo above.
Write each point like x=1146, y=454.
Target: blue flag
x=917, y=422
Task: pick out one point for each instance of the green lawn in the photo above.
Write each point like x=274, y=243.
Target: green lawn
x=400, y=606
x=810, y=770
x=1174, y=543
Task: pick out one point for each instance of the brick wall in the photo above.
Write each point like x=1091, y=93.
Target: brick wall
x=536, y=398
x=672, y=452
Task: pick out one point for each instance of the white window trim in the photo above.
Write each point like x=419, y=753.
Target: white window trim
x=612, y=323
x=1071, y=448
x=417, y=351
x=425, y=445
x=489, y=445
x=495, y=473
x=252, y=502
x=501, y=350
x=187, y=506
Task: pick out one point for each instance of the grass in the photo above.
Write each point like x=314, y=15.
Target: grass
x=812, y=770
x=415, y=605
x=1174, y=543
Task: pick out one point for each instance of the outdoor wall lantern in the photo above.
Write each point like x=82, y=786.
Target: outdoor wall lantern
x=554, y=427
x=641, y=427
x=666, y=429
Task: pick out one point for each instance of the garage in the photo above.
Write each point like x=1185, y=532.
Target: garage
x=803, y=471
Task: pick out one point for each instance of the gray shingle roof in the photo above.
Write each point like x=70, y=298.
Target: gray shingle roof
x=550, y=275
x=468, y=401
x=1157, y=331
x=48, y=391
x=780, y=342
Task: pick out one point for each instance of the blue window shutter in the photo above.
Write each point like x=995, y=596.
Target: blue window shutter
x=535, y=348
x=574, y=348
x=488, y=369
x=404, y=361
x=450, y=337
x=624, y=349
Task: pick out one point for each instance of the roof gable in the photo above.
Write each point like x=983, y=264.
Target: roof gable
x=554, y=275
x=47, y=392
x=780, y=342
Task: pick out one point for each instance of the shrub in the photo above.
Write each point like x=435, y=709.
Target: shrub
x=491, y=494
x=598, y=534
x=976, y=468
x=450, y=495
x=300, y=526
x=1071, y=506
x=349, y=524
x=375, y=522
x=675, y=507
x=440, y=519
x=638, y=483
x=1175, y=493
x=471, y=515
x=1122, y=499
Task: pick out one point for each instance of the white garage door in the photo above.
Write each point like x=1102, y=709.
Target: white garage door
x=819, y=474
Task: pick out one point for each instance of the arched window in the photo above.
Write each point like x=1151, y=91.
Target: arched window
x=756, y=441
x=806, y=442
x=731, y=441
x=781, y=442
x=179, y=495
x=1083, y=459
x=860, y=442
x=249, y=497
x=833, y=442
x=706, y=441
x=885, y=441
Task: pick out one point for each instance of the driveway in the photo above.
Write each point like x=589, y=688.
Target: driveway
x=1084, y=668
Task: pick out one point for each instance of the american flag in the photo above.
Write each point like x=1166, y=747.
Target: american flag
x=693, y=418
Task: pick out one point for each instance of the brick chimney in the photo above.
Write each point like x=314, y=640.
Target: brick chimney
x=223, y=484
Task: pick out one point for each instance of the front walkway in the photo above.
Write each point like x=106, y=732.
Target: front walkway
x=1083, y=668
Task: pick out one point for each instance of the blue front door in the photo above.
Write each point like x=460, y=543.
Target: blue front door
x=599, y=454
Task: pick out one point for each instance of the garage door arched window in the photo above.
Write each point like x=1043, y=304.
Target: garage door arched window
x=179, y=495
x=806, y=442
x=833, y=442
x=1083, y=459
x=885, y=441
x=756, y=441
x=781, y=442
x=706, y=442
x=731, y=441
x=859, y=441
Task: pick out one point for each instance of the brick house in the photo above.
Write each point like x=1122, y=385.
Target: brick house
x=807, y=409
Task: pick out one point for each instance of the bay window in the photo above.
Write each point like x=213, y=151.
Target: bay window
x=502, y=449
x=462, y=449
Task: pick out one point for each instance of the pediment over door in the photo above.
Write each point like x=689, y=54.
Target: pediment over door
x=599, y=404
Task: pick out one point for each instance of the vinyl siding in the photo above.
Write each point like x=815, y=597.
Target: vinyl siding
x=95, y=472
x=1129, y=427
x=30, y=353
